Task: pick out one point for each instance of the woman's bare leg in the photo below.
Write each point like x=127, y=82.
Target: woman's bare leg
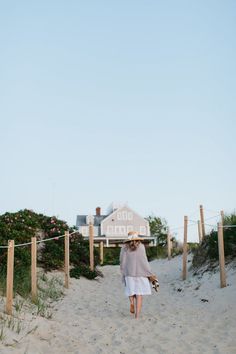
x=131, y=299
x=139, y=301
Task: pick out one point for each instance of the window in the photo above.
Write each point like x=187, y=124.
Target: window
x=130, y=216
x=124, y=215
x=84, y=230
x=109, y=230
x=142, y=230
x=117, y=230
x=129, y=228
x=95, y=230
x=122, y=230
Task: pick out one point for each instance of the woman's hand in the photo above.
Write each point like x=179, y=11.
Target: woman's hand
x=152, y=278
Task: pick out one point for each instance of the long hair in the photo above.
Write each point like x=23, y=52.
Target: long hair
x=133, y=245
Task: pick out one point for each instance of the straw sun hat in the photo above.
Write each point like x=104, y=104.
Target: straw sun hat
x=133, y=236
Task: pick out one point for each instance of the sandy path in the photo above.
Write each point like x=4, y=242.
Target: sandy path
x=94, y=317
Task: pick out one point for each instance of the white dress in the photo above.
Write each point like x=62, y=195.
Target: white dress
x=137, y=286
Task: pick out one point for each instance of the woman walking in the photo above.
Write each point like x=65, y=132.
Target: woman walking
x=135, y=271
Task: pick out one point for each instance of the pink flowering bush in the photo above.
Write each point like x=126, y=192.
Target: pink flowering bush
x=23, y=225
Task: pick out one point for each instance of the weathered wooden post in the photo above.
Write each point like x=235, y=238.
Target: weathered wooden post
x=67, y=259
x=91, y=245
x=107, y=242
x=221, y=255
x=33, y=269
x=171, y=246
x=199, y=231
x=222, y=216
x=202, y=221
x=101, y=252
x=185, y=248
x=168, y=245
x=10, y=276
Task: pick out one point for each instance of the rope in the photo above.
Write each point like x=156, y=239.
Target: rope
x=210, y=225
x=179, y=227
x=193, y=213
x=224, y=226
x=194, y=221
x=40, y=241
x=213, y=217
x=228, y=226
x=201, y=223
x=211, y=211
x=170, y=229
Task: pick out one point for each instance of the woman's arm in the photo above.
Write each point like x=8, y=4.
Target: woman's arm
x=144, y=261
x=122, y=256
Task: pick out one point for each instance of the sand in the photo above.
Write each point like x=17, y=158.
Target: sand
x=194, y=316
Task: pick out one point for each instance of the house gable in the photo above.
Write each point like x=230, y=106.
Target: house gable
x=123, y=220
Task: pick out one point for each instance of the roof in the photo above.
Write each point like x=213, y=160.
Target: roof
x=81, y=220
x=98, y=219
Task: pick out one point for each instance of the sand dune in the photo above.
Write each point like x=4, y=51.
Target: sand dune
x=194, y=316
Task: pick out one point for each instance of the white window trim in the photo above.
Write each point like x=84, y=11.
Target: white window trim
x=130, y=216
x=143, y=230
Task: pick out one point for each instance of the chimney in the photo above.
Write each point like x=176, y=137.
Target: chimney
x=98, y=211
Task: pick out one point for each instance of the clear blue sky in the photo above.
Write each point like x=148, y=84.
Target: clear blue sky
x=130, y=101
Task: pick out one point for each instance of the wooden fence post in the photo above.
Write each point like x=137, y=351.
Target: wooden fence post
x=91, y=250
x=221, y=255
x=67, y=259
x=101, y=252
x=10, y=276
x=168, y=245
x=199, y=231
x=33, y=269
x=185, y=248
x=202, y=221
x=222, y=216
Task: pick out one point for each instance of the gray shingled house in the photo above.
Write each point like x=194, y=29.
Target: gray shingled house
x=114, y=226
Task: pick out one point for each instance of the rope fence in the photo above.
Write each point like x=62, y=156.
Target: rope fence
x=40, y=241
x=219, y=227
x=193, y=223
x=201, y=231
x=10, y=265
x=213, y=217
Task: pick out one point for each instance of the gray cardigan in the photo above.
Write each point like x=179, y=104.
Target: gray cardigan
x=134, y=263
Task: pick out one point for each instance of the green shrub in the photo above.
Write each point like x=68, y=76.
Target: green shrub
x=229, y=243
x=152, y=252
x=79, y=251
x=111, y=255
x=176, y=251
x=158, y=228
x=192, y=246
x=20, y=227
x=208, y=249
x=83, y=270
x=22, y=280
x=23, y=225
